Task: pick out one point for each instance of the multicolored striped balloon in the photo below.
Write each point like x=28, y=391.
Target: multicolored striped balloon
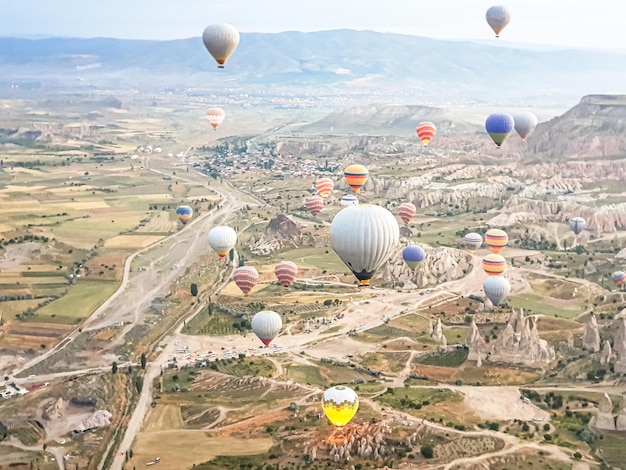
x=324, y=187
x=314, y=204
x=356, y=176
x=246, y=278
x=349, y=200
x=496, y=239
x=619, y=277
x=494, y=265
x=286, y=272
x=184, y=213
x=426, y=131
x=406, y=211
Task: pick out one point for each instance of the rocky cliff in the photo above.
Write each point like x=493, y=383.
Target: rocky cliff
x=281, y=233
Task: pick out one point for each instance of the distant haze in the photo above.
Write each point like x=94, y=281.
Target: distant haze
x=573, y=23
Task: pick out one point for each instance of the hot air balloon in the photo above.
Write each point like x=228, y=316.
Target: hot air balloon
x=498, y=17
x=499, y=127
x=364, y=237
x=340, y=404
x=473, y=241
x=619, y=277
x=314, y=204
x=184, y=213
x=349, y=200
x=215, y=116
x=413, y=255
x=406, y=211
x=266, y=325
x=286, y=272
x=220, y=40
x=494, y=265
x=426, y=131
x=355, y=176
x=222, y=239
x=246, y=278
x=577, y=224
x=496, y=239
x=525, y=124
x=324, y=187
x=496, y=289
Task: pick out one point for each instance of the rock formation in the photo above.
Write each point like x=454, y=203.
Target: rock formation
x=437, y=333
x=431, y=327
x=620, y=424
x=604, y=419
x=56, y=410
x=570, y=340
x=619, y=342
x=605, y=355
x=591, y=338
x=518, y=343
x=281, y=233
x=479, y=361
x=98, y=419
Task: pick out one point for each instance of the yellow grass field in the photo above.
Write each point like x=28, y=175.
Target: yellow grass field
x=180, y=449
x=163, y=418
x=84, y=205
x=15, y=307
x=160, y=222
x=132, y=241
x=80, y=301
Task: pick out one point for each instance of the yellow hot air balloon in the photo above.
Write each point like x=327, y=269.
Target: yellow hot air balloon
x=496, y=239
x=340, y=404
x=355, y=176
x=494, y=265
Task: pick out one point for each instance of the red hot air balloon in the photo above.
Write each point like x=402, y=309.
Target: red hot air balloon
x=406, y=211
x=426, y=131
x=286, y=272
x=314, y=204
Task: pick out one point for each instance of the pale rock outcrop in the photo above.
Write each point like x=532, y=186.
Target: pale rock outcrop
x=619, y=342
x=604, y=419
x=476, y=343
x=281, y=233
x=605, y=355
x=437, y=333
x=431, y=327
x=620, y=424
x=444, y=343
x=591, y=337
x=56, y=410
x=479, y=361
x=99, y=419
x=570, y=340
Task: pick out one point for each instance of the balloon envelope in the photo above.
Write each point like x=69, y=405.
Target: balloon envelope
x=340, y=404
x=496, y=289
x=266, y=325
x=619, y=277
x=494, y=265
x=314, y=204
x=496, y=239
x=525, y=124
x=220, y=40
x=356, y=176
x=222, y=239
x=184, y=214
x=426, y=131
x=324, y=187
x=577, y=225
x=215, y=116
x=473, y=241
x=406, y=211
x=413, y=255
x=364, y=237
x=286, y=272
x=246, y=278
x=497, y=18
x=349, y=200
x=499, y=127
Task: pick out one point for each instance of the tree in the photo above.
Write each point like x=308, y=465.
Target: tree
x=194, y=289
x=427, y=451
x=143, y=360
x=114, y=367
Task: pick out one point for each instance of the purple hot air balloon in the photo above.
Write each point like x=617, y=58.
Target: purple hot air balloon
x=499, y=127
x=413, y=255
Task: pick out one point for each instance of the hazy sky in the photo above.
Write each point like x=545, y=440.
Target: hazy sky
x=582, y=23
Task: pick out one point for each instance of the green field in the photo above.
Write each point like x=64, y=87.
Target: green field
x=532, y=303
x=309, y=375
x=80, y=301
x=444, y=359
x=257, y=367
x=323, y=258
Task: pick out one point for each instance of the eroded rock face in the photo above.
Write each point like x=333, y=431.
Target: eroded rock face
x=605, y=355
x=605, y=419
x=620, y=423
x=55, y=410
x=591, y=337
x=518, y=343
x=619, y=342
x=280, y=234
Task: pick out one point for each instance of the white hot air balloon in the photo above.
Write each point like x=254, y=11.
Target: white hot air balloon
x=266, y=325
x=220, y=40
x=215, y=116
x=349, y=200
x=496, y=289
x=525, y=124
x=222, y=239
x=498, y=17
x=577, y=225
x=364, y=237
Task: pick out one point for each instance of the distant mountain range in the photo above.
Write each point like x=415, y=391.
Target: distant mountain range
x=336, y=62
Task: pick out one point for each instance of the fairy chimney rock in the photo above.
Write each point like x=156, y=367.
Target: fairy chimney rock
x=591, y=338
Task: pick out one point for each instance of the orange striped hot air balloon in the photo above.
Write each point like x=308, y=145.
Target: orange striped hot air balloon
x=426, y=131
x=246, y=278
x=406, y=211
x=314, y=204
x=494, y=265
x=355, y=176
x=324, y=187
x=496, y=239
x=286, y=272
